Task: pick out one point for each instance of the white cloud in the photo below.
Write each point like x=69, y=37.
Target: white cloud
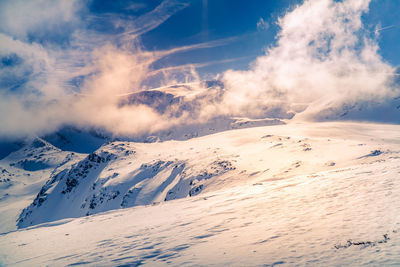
x=262, y=25
x=41, y=98
x=136, y=6
x=21, y=18
x=322, y=59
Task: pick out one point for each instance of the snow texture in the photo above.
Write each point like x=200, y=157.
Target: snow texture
x=298, y=194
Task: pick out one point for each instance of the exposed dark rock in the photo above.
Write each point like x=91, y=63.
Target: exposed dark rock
x=350, y=242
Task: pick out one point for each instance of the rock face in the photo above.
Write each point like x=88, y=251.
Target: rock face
x=113, y=177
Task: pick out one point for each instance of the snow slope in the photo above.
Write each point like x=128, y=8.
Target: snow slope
x=125, y=174
x=296, y=194
x=23, y=173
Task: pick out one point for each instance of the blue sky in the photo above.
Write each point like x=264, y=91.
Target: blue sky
x=386, y=14
x=203, y=21
x=247, y=28
x=64, y=62
x=208, y=20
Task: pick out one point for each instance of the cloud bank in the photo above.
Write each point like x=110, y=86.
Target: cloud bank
x=49, y=80
x=323, y=58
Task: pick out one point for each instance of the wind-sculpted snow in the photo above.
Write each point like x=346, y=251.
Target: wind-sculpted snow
x=298, y=194
x=299, y=213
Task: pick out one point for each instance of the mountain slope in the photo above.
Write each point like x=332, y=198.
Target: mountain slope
x=126, y=174
x=23, y=173
x=300, y=194
x=116, y=177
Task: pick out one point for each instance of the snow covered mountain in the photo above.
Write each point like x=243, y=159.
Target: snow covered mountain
x=35, y=171
x=301, y=193
x=384, y=112
x=119, y=175
x=126, y=174
x=23, y=173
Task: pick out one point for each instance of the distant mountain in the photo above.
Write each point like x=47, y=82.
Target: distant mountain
x=78, y=140
x=182, y=97
x=7, y=146
x=386, y=112
x=190, y=98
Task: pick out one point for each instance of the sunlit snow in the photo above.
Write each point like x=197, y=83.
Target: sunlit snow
x=296, y=194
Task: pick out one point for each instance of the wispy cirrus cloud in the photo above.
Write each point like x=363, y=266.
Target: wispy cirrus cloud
x=46, y=71
x=153, y=19
x=323, y=58
x=262, y=25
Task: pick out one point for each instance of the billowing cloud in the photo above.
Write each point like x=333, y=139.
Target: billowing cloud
x=28, y=20
x=323, y=58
